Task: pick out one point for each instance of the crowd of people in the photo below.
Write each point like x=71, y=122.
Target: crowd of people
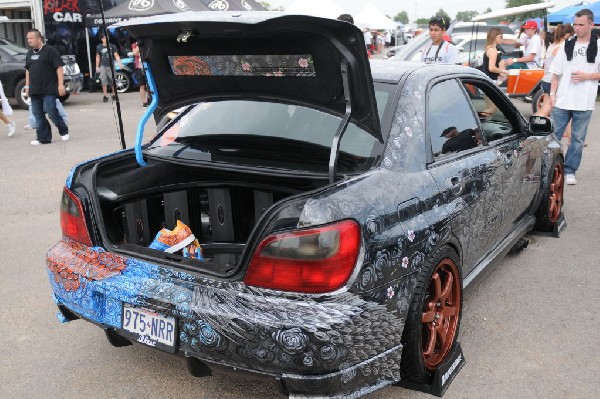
x=44, y=84
x=571, y=72
x=375, y=40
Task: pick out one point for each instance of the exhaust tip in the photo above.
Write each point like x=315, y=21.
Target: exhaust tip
x=116, y=340
x=197, y=368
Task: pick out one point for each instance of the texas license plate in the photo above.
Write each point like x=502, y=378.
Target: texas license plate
x=149, y=327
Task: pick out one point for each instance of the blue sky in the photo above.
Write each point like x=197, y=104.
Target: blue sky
x=424, y=8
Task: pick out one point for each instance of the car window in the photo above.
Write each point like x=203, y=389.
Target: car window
x=451, y=124
x=482, y=29
x=472, y=45
x=495, y=122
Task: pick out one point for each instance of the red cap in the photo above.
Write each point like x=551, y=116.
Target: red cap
x=531, y=24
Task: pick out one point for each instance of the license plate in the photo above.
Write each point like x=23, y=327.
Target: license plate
x=149, y=327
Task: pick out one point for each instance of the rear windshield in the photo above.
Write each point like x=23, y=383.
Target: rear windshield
x=269, y=134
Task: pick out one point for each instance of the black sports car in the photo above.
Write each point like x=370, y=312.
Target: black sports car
x=12, y=73
x=302, y=216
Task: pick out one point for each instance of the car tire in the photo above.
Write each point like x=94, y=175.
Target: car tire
x=434, y=307
x=122, y=81
x=538, y=97
x=20, y=96
x=552, y=200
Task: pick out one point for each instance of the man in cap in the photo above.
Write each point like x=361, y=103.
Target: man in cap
x=532, y=48
x=575, y=73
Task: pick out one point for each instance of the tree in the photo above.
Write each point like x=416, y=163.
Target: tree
x=466, y=16
x=422, y=21
x=402, y=16
x=517, y=3
x=489, y=9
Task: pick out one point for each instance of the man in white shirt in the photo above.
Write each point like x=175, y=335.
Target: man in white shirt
x=439, y=51
x=575, y=74
x=532, y=48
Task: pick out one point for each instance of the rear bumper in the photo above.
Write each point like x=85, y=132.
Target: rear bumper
x=326, y=346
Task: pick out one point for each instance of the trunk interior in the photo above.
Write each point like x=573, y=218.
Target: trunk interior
x=220, y=207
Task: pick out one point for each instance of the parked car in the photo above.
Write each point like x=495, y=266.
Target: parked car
x=125, y=78
x=338, y=219
x=12, y=73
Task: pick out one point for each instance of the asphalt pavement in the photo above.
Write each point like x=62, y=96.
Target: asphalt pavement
x=529, y=327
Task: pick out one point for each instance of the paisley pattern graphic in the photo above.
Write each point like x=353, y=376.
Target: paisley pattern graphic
x=78, y=264
x=346, y=343
x=244, y=65
x=341, y=340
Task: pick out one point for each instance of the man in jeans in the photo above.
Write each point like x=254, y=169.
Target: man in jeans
x=575, y=73
x=44, y=82
x=103, y=65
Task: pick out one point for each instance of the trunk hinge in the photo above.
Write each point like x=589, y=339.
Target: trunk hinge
x=335, y=146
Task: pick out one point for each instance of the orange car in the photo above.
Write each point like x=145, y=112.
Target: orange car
x=522, y=82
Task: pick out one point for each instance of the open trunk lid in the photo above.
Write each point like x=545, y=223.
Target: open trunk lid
x=316, y=62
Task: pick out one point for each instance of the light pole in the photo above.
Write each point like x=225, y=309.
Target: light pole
x=416, y=16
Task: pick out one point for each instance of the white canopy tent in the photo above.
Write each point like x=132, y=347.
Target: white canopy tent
x=370, y=17
x=316, y=8
x=513, y=11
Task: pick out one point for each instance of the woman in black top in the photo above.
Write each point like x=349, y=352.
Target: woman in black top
x=492, y=65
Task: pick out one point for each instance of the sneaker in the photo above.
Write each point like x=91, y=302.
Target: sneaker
x=11, y=129
x=193, y=251
x=112, y=97
x=35, y=142
x=105, y=99
x=171, y=241
x=65, y=137
x=570, y=179
x=29, y=127
x=145, y=105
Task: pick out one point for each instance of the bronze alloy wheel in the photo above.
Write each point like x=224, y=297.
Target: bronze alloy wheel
x=555, y=194
x=441, y=313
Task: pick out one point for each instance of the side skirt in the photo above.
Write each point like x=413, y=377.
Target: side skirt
x=502, y=249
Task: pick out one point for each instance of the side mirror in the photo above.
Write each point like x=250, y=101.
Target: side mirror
x=540, y=125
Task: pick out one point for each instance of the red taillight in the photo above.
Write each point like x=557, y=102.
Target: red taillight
x=313, y=261
x=72, y=221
